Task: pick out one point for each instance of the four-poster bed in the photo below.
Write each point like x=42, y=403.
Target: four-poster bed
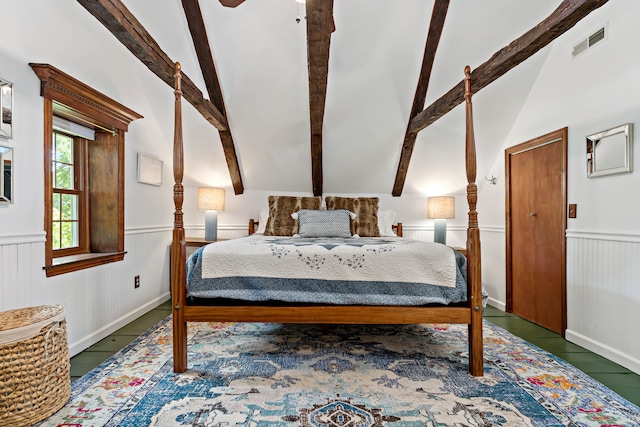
x=468, y=312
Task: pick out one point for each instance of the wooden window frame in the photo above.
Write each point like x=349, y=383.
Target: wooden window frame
x=69, y=98
x=80, y=189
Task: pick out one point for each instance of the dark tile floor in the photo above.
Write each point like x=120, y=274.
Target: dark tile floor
x=619, y=379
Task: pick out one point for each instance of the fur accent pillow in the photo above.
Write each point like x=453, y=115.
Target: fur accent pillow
x=366, y=210
x=280, y=222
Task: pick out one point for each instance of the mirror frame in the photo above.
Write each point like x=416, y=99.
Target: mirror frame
x=625, y=164
x=6, y=109
x=6, y=152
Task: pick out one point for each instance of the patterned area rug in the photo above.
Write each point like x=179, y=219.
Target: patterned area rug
x=249, y=374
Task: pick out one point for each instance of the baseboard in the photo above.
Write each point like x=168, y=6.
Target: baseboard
x=82, y=344
x=496, y=304
x=604, y=350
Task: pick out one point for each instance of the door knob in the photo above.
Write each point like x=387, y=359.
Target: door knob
x=532, y=214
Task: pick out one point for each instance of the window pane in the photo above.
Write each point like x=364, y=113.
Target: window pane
x=56, y=207
x=55, y=235
x=69, y=234
x=69, y=207
x=64, y=176
x=63, y=149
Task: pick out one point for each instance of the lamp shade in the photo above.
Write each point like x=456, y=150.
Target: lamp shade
x=441, y=207
x=210, y=199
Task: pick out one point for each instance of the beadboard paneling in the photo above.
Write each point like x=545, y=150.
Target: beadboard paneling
x=603, y=295
x=97, y=300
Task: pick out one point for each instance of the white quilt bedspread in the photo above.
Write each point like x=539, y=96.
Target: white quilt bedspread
x=383, y=259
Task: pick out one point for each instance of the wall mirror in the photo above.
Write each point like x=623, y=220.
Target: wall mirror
x=610, y=152
x=6, y=179
x=6, y=106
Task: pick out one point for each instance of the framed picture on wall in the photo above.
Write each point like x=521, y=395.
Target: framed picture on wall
x=6, y=109
x=149, y=169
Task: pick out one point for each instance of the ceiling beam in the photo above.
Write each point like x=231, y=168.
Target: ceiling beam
x=438, y=16
x=115, y=16
x=231, y=3
x=319, y=28
x=561, y=20
x=207, y=66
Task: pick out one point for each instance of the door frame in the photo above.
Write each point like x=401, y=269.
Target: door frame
x=558, y=136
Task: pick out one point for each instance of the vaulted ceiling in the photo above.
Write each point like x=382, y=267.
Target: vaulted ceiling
x=350, y=99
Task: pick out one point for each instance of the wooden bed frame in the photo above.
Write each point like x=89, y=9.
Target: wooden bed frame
x=469, y=313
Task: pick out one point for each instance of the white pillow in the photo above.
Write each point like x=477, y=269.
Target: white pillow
x=262, y=224
x=385, y=222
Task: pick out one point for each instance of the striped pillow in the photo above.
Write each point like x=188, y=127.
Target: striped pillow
x=322, y=223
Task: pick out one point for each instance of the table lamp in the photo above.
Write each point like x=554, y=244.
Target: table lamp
x=210, y=200
x=440, y=209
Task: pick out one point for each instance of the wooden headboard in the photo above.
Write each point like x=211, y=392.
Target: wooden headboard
x=253, y=226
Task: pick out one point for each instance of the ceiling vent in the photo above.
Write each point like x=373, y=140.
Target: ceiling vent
x=590, y=41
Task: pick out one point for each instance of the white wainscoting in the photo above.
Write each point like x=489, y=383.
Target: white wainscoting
x=98, y=300
x=603, y=284
x=603, y=295
x=493, y=248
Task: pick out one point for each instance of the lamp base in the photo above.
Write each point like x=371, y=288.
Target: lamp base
x=211, y=225
x=440, y=231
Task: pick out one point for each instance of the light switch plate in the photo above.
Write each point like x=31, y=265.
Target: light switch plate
x=573, y=208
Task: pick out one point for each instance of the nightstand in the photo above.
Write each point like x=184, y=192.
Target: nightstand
x=194, y=243
x=198, y=241
x=463, y=251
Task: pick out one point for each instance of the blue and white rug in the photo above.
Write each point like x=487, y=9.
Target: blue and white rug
x=250, y=374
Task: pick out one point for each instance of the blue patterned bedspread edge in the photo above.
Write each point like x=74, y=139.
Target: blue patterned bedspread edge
x=324, y=291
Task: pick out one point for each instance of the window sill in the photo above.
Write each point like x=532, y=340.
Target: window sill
x=71, y=263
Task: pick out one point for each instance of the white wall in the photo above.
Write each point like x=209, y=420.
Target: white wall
x=98, y=300
x=592, y=92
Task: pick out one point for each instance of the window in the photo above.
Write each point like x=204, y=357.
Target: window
x=68, y=204
x=83, y=173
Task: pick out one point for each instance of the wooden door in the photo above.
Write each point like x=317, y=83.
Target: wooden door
x=536, y=225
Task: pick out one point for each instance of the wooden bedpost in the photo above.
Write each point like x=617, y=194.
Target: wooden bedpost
x=178, y=248
x=474, y=275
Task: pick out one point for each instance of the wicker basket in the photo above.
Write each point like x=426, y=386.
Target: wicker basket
x=34, y=364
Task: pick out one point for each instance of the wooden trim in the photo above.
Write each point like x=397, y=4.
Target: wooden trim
x=438, y=16
x=81, y=181
x=61, y=87
x=48, y=202
x=80, y=262
x=561, y=20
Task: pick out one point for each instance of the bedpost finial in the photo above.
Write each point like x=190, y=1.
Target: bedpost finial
x=177, y=76
x=467, y=84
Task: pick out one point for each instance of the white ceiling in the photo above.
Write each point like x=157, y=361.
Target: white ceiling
x=375, y=56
